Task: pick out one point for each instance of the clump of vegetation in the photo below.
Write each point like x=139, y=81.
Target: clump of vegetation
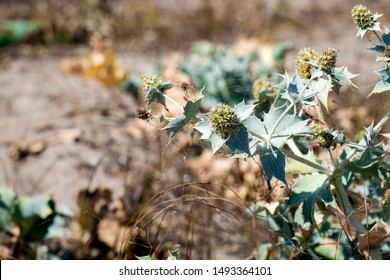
x=226, y=76
x=318, y=219
x=30, y=223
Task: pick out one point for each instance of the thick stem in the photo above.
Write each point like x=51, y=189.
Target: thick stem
x=307, y=162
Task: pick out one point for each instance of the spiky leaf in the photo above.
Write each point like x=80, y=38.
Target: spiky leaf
x=291, y=125
x=273, y=162
x=157, y=94
x=384, y=84
x=238, y=142
x=243, y=111
x=343, y=76
x=190, y=111
x=7, y=201
x=322, y=87
x=308, y=189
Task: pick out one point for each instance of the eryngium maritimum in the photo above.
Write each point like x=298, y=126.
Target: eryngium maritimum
x=224, y=120
x=302, y=62
x=327, y=60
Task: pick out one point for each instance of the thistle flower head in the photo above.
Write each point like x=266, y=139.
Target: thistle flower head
x=261, y=85
x=302, y=62
x=327, y=60
x=151, y=81
x=323, y=135
x=362, y=17
x=224, y=120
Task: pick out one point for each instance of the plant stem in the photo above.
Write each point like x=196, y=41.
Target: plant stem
x=293, y=147
x=354, y=150
x=297, y=157
x=343, y=201
x=332, y=160
x=362, y=148
x=319, y=110
x=174, y=102
x=342, y=196
x=292, y=104
x=307, y=162
x=379, y=37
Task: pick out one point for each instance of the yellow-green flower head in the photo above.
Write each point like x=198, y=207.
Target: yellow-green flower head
x=362, y=17
x=261, y=85
x=323, y=135
x=386, y=197
x=224, y=120
x=302, y=62
x=151, y=81
x=327, y=60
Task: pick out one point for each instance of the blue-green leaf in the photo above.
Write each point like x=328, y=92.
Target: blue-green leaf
x=216, y=142
x=384, y=84
x=343, y=76
x=7, y=201
x=386, y=37
x=190, y=111
x=238, y=142
x=243, y=111
x=308, y=189
x=322, y=87
x=273, y=162
x=204, y=127
x=255, y=126
x=157, y=94
x=291, y=125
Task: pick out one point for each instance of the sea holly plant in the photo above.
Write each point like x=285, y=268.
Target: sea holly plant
x=318, y=219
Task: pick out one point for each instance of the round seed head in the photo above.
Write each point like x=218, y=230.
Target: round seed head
x=261, y=85
x=362, y=16
x=327, y=60
x=151, y=81
x=302, y=62
x=224, y=120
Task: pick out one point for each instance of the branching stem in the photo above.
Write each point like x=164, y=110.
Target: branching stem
x=174, y=102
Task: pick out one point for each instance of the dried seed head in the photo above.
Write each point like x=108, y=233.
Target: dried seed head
x=224, y=120
x=327, y=60
x=302, y=62
x=362, y=17
x=143, y=114
x=185, y=86
x=151, y=81
x=261, y=85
